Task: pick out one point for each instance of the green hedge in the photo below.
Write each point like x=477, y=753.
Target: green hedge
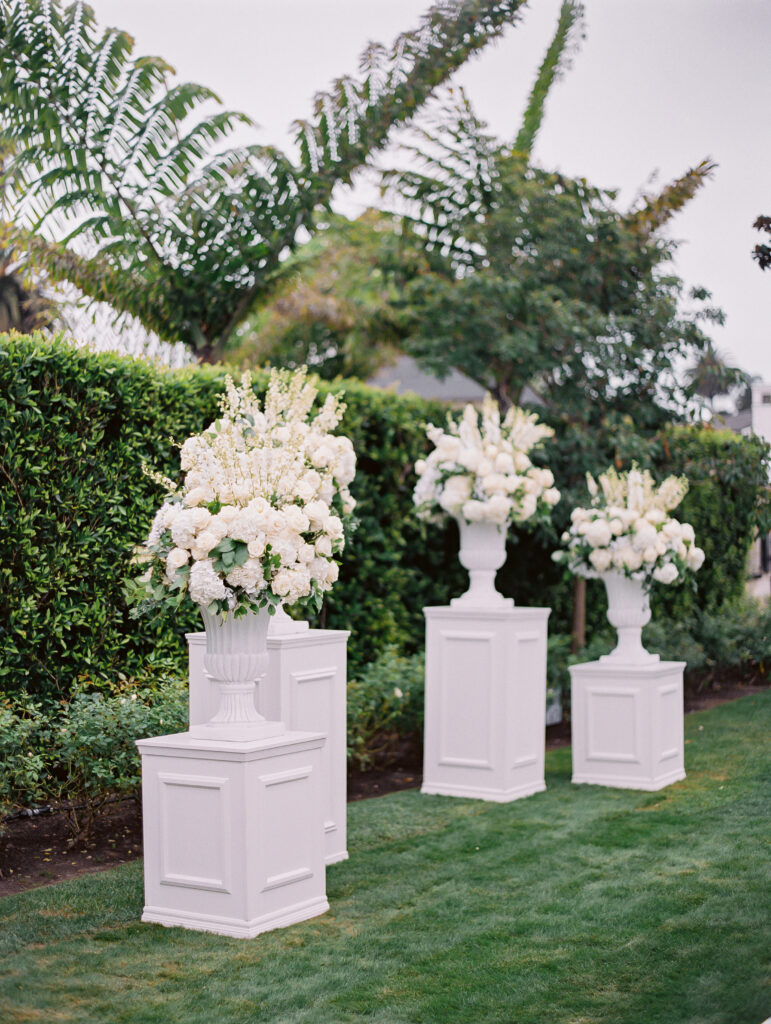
x=75, y=429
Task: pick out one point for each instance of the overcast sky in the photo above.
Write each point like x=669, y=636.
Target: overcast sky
x=657, y=86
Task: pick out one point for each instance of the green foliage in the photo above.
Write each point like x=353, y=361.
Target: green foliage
x=184, y=237
x=602, y=906
x=385, y=702
x=94, y=752
x=24, y=736
x=727, y=503
x=75, y=430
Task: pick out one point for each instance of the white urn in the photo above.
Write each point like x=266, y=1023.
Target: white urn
x=482, y=553
x=628, y=611
x=237, y=659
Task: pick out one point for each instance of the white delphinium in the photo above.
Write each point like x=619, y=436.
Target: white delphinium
x=626, y=528
x=260, y=515
x=479, y=469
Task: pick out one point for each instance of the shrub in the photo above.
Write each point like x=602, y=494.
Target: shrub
x=24, y=767
x=385, y=703
x=95, y=737
x=75, y=429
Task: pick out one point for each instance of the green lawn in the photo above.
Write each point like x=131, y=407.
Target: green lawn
x=579, y=905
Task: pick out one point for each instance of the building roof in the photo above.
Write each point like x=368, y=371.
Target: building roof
x=405, y=375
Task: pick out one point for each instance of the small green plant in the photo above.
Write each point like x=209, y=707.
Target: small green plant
x=24, y=762
x=385, y=703
x=95, y=744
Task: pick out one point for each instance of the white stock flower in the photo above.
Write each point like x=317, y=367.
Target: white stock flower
x=183, y=529
x=551, y=496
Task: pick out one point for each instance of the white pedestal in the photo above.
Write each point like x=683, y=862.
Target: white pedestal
x=627, y=723
x=305, y=687
x=485, y=702
x=233, y=840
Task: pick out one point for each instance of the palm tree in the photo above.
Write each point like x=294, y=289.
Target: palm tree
x=186, y=239
x=710, y=376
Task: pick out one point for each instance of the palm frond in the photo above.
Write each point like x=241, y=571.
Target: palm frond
x=555, y=63
x=653, y=211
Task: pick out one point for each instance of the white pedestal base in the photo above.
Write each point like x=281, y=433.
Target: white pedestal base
x=485, y=702
x=233, y=840
x=627, y=724
x=305, y=688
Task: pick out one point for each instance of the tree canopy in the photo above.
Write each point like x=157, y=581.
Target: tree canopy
x=118, y=184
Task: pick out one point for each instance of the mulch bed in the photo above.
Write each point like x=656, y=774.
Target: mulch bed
x=36, y=851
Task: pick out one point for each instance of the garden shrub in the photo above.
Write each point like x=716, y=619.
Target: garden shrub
x=385, y=703
x=24, y=767
x=95, y=753
x=76, y=427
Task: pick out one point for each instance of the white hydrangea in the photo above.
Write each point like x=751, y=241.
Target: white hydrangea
x=628, y=529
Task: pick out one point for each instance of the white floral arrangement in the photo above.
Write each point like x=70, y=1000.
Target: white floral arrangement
x=480, y=471
x=262, y=509
x=627, y=529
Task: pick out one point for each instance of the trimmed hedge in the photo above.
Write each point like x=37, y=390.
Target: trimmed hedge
x=76, y=427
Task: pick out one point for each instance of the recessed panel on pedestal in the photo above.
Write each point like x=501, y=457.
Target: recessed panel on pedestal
x=312, y=703
x=285, y=805
x=194, y=831
x=465, y=716
x=612, y=724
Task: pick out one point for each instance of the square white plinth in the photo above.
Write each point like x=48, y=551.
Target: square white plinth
x=233, y=833
x=305, y=687
x=627, y=724
x=485, y=702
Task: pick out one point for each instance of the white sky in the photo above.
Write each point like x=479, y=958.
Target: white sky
x=656, y=86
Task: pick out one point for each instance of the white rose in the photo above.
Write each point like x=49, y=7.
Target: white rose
x=598, y=533
x=183, y=529
x=296, y=519
x=631, y=559
x=695, y=558
x=303, y=491
x=195, y=496
x=256, y=547
x=203, y=543
x=601, y=559
x=645, y=535
x=494, y=483
x=521, y=462
x=687, y=533
x=666, y=573
x=456, y=491
x=504, y=463
x=499, y=509
x=655, y=516
x=323, y=546
x=317, y=512
x=672, y=529
x=333, y=571
x=616, y=526
x=650, y=555
x=474, y=511
x=175, y=559
x=551, y=496
x=281, y=583
x=333, y=526
x=484, y=467
x=528, y=506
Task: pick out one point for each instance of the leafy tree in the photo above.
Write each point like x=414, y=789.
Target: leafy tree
x=334, y=308
x=185, y=238
x=762, y=252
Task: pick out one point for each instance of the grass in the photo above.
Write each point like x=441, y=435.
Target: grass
x=580, y=905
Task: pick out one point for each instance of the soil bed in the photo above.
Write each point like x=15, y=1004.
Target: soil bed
x=35, y=851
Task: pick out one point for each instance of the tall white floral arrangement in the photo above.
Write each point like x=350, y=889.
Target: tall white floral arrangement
x=480, y=470
x=259, y=516
x=627, y=529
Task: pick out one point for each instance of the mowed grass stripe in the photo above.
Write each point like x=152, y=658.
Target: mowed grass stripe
x=580, y=905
